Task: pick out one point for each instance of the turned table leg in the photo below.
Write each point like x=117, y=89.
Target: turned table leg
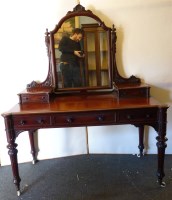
x=32, y=144
x=14, y=164
x=12, y=152
x=141, y=143
x=161, y=144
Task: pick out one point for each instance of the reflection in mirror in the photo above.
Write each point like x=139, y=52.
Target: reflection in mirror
x=93, y=64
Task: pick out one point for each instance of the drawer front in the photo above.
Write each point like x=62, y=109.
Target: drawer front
x=134, y=92
x=133, y=115
x=29, y=98
x=23, y=122
x=84, y=119
x=127, y=116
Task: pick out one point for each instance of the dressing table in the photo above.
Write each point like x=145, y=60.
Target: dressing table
x=105, y=97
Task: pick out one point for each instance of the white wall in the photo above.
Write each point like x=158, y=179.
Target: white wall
x=144, y=49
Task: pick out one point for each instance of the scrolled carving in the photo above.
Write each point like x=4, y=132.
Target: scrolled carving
x=47, y=41
x=114, y=38
x=79, y=8
x=119, y=79
x=35, y=86
x=18, y=132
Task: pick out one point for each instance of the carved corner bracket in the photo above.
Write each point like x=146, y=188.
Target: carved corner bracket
x=43, y=86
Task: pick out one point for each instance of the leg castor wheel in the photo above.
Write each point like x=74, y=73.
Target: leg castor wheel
x=140, y=155
x=34, y=161
x=163, y=184
x=18, y=193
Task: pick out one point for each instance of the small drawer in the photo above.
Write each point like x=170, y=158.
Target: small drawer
x=29, y=98
x=84, y=119
x=31, y=121
x=134, y=93
x=133, y=115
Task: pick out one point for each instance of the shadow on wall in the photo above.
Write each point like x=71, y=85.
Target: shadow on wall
x=119, y=51
x=162, y=94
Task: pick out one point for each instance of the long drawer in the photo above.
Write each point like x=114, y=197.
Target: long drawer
x=137, y=115
x=85, y=119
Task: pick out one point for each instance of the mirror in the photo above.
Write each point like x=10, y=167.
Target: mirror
x=96, y=68
x=93, y=68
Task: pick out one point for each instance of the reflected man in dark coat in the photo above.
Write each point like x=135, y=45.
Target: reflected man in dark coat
x=71, y=53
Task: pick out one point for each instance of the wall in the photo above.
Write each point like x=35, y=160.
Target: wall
x=144, y=49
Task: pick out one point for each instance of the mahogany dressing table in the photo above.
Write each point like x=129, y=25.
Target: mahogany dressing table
x=105, y=97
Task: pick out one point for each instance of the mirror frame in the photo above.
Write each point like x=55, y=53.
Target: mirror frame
x=79, y=10
x=50, y=83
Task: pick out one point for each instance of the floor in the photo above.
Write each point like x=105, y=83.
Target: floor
x=89, y=177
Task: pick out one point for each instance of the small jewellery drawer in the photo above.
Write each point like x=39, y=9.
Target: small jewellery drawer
x=134, y=92
x=84, y=119
x=33, y=98
x=31, y=121
x=137, y=115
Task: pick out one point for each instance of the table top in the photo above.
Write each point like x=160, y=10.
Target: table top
x=81, y=103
